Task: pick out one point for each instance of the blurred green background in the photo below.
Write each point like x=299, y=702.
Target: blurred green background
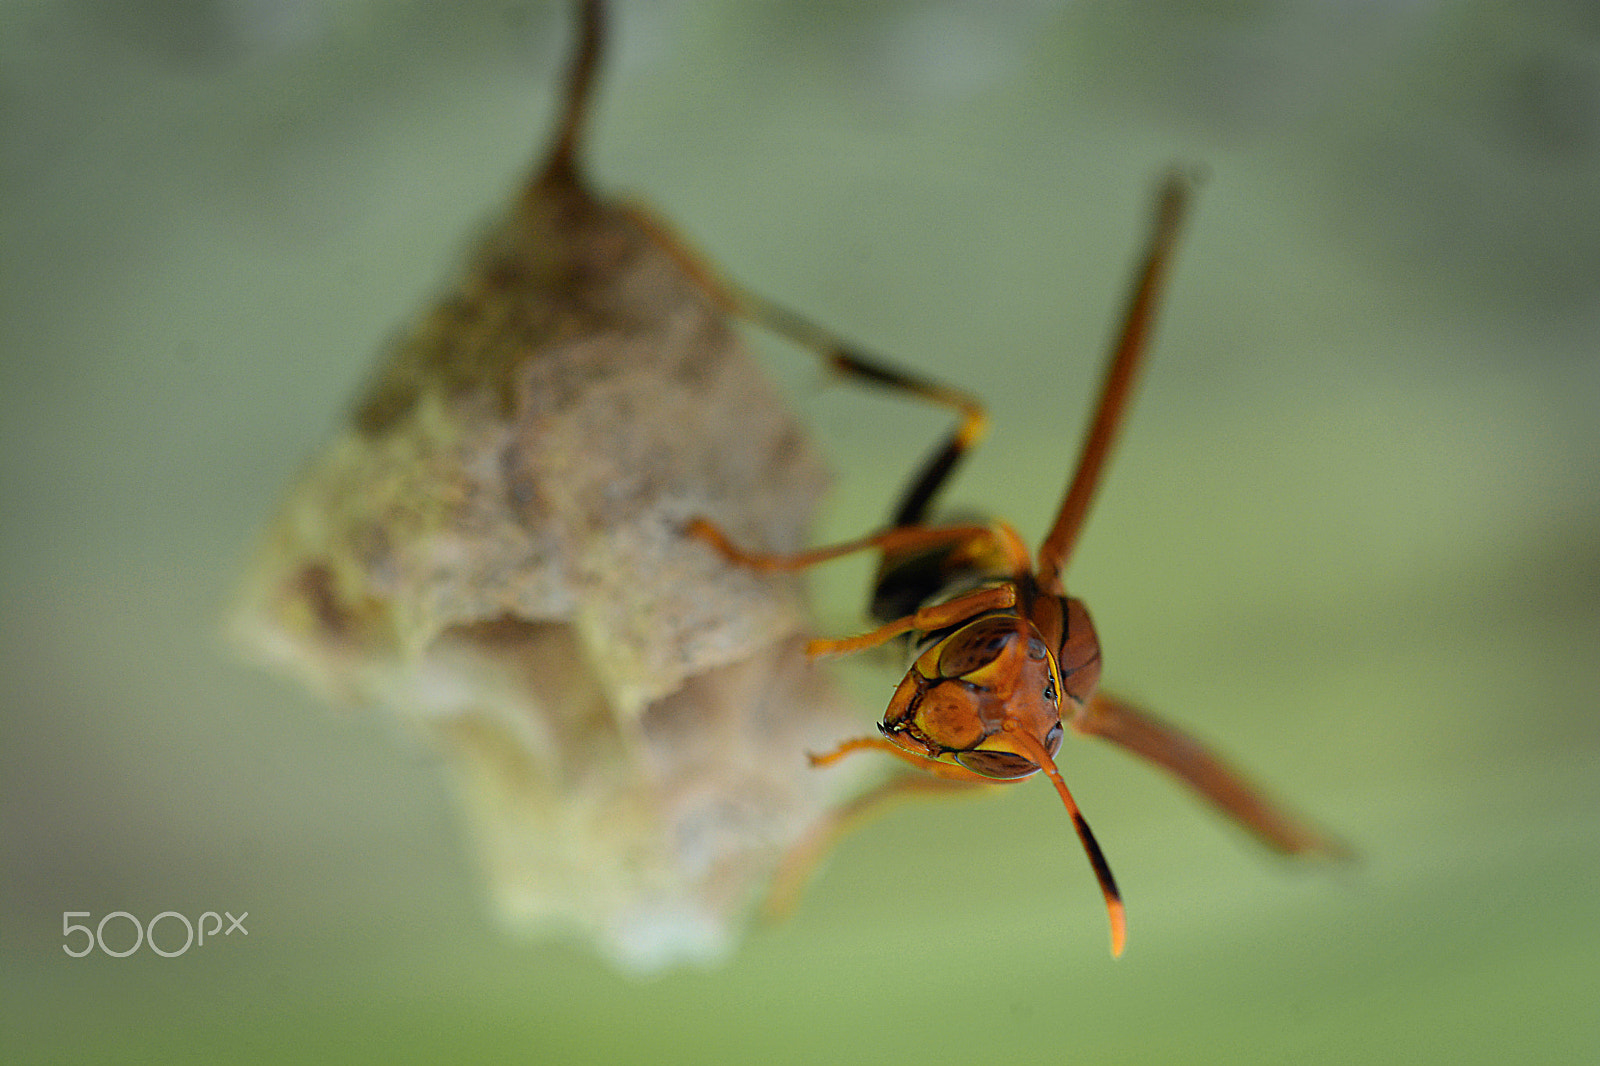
x=1353, y=535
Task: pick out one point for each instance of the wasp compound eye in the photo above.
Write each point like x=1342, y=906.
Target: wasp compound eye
x=997, y=764
x=975, y=646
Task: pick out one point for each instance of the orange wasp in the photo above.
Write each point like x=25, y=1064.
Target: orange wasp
x=1001, y=656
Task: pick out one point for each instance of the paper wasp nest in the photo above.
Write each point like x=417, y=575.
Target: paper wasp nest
x=493, y=550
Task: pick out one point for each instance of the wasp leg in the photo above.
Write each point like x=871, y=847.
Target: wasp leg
x=800, y=863
x=911, y=537
x=938, y=616
x=722, y=294
x=794, y=872
x=1181, y=755
x=839, y=355
x=845, y=358
x=947, y=770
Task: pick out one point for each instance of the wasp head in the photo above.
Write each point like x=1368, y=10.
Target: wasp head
x=959, y=695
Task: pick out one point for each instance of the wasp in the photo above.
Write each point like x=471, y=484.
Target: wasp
x=1002, y=659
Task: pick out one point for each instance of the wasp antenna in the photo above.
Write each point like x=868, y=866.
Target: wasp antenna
x=561, y=168
x=1115, y=912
